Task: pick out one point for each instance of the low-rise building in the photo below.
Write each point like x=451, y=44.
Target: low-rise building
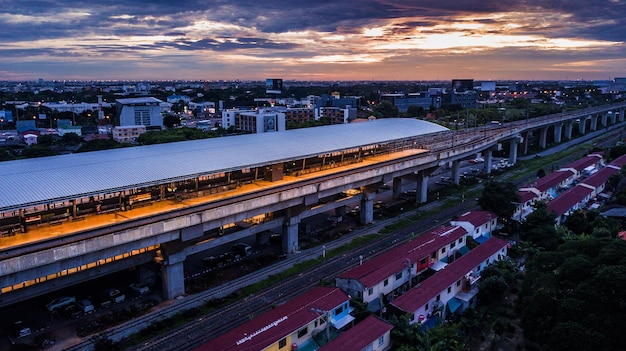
x=127, y=134
x=452, y=289
x=289, y=326
x=479, y=224
x=394, y=272
x=373, y=334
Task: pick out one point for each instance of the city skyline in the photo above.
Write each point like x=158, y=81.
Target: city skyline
x=364, y=40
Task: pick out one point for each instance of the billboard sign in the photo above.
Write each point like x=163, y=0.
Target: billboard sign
x=273, y=86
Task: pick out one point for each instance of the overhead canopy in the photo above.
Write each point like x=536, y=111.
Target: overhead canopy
x=454, y=304
x=64, y=177
x=341, y=322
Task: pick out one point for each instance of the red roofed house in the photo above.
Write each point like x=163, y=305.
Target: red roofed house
x=453, y=289
x=570, y=201
x=290, y=325
x=372, y=334
x=394, y=271
x=479, y=224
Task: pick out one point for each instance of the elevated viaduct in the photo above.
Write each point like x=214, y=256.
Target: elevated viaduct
x=161, y=204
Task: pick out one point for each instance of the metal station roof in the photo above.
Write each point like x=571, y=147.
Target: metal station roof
x=40, y=180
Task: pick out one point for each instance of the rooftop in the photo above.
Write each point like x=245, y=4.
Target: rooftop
x=33, y=181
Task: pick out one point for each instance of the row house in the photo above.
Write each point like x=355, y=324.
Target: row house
x=372, y=334
x=451, y=290
x=289, y=326
x=579, y=196
x=573, y=199
x=549, y=187
x=479, y=224
x=394, y=271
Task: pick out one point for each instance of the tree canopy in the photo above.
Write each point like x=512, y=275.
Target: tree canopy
x=500, y=198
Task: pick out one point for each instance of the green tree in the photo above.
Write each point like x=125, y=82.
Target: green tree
x=414, y=111
x=385, y=109
x=539, y=229
x=170, y=121
x=500, y=198
x=71, y=139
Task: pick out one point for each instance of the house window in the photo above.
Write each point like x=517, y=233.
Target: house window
x=458, y=282
x=443, y=250
x=399, y=276
x=487, y=261
x=423, y=261
x=302, y=332
x=460, y=240
x=370, y=291
x=282, y=343
x=438, y=298
x=386, y=282
x=426, y=307
x=381, y=340
x=477, y=229
x=338, y=310
x=453, y=244
x=449, y=289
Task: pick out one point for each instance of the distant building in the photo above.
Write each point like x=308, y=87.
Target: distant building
x=254, y=121
x=176, y=98
x=64, y=126
x=127, y=134
x=144, y=111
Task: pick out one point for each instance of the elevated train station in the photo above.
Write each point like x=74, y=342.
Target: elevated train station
x=57, y=211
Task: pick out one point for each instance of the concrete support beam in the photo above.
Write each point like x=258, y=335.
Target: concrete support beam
x=543, y=133
x=582, y=126
x=290, y=235
x=558, y=131
x=367, y=208
x=172, y=259
x=173, y=280
x=488, y=160
x=513, y=151
x=526, y=142
x=594, y=123
x=621, y=114
x=397, y=187
x=603, y=119
x=455, y=172
x=568, y=130
x=422, y=186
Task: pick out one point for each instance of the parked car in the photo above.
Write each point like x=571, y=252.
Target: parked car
x=86, y=306
x=139, y=288
x=72, y=311
x=18, y=329
x=60, y=302
x=115, y=295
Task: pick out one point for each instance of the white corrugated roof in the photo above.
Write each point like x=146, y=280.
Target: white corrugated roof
x=38, y=180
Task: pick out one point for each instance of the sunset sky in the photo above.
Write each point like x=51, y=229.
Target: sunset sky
x=312, y=40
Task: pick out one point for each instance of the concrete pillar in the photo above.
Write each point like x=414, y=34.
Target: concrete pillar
x=367, y=208
x=290, y=234
x=582, y=126
x=397, y=187
x=526, y=141
x=612, y=117
x=488, y=160
x=568, y=130
x=455, y=172
x=422, y=187
x=594, y=123
x=543, y=133
x=172, y=271
x=621, y=114
x=513, y=151
x=558, y=131
x=603, y=119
